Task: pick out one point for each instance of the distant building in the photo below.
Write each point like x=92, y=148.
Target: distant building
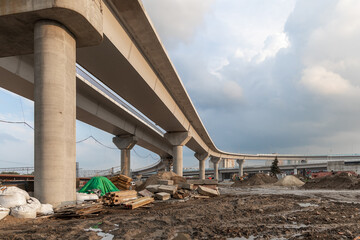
x=224, y=163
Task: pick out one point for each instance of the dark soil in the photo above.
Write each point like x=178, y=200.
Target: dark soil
x=337, y=182
x=255, y=180
x=227, y=216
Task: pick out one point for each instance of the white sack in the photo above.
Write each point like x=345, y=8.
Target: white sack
x=25, y=211
x=34, y=203
x=4, y=212
x=46, y=209
x=13, y=200
x=12, y=190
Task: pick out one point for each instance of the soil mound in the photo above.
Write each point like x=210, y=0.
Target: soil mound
x=289, y=181
x=257, y=179
x=338, y=181
x=154, y=179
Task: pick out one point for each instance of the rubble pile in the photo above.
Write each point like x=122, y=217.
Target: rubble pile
x=154, y=179
x=166, y=189
x=336, y=181
x=255, y=180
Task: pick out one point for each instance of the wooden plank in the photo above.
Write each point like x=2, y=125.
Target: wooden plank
x=139, y=202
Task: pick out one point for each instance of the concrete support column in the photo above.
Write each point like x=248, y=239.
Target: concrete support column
x=178, y=140
x=125, y=144
x=202, y=158
x=215, y=161
x=178, y=156
x=202, y=169
x=241, y=166
x=125, y=162
x=55, y=113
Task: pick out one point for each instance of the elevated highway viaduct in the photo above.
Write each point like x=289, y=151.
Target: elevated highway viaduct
x=41, y=42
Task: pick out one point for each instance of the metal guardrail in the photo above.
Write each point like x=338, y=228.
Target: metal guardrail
x=20, y=170
x=147, y=167
x=116, y=98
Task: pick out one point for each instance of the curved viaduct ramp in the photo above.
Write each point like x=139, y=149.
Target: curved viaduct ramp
x=115, y=41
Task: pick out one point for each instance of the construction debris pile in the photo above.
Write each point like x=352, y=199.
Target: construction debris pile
x=162, y=186
x=100, y=193
x=122, y=182
x=257, y=179
x=18, y=203
x=166, y=189
x=336, y=181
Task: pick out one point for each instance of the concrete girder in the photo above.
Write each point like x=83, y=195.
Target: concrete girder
x=83, y=18
x=93, y=107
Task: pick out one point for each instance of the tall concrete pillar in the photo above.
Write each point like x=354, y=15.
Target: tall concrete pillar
x=202, y=158
x=125, y=144
x=125, y=162
x=178, y=140
x=55, y=113
x=215, y=161
x=51, y=30
x=241, y=166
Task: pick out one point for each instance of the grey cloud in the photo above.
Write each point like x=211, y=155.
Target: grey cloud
x=278, y=113
x=185, y=17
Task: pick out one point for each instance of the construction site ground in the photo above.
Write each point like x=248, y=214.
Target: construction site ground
x=239, y=213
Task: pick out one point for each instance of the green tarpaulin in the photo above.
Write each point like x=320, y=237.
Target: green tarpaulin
x=102, y=183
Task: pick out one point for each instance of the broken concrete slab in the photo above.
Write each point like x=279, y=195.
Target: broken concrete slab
x=146, y=193
x=153, y=188
x=166, y=182
x=208, y=191
x=171, y=189
x=162, y=196
x=188, y=186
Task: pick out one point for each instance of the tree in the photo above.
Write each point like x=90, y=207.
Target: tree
x=274, y=167
x=13, y=173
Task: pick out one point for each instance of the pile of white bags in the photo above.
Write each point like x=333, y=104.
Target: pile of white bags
x=13, y=200
x=20, y=204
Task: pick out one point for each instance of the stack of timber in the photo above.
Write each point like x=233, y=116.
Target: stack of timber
x=138, y=202
x=78, y=211
x=122, y=182
x=117, y=198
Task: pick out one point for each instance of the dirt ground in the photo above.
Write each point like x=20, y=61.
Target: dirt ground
x=258, y=213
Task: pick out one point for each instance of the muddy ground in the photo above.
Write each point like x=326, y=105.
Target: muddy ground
x=237, y=214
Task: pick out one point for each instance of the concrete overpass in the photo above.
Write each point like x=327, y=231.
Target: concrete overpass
x=114, y=40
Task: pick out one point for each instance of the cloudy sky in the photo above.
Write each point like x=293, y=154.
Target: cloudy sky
x=265, y=76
